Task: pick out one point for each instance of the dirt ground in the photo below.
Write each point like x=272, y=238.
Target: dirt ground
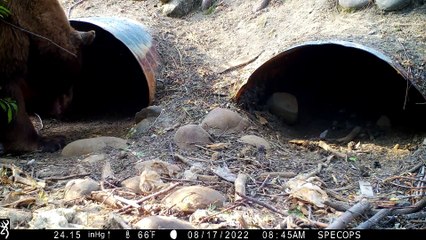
x=195, y=49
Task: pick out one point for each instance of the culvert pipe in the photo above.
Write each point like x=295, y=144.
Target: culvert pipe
x=119, y=68
x=328, y=76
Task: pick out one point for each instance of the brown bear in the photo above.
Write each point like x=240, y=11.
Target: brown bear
x=40, y=55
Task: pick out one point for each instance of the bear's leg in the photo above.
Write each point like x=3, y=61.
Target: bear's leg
x=20, y=135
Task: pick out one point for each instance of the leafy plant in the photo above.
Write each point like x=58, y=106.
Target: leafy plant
x=4, y=12
x=10, y=107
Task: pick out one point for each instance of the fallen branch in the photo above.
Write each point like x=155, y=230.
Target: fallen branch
x=67, y=177
x=106, y=198
x=327, y=148
x=350, y=136
x=350, y=214
x=374, y=219
x=339, y=206
x=282, y=213
x=279, y=174
x=73, y=6
x=171, y=187
x=244, y=63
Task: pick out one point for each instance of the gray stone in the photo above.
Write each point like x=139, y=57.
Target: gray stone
x=285, y=106
x=143, y=126
x=162, y=222
x=91, y=145
x=148, y=112
x=180, y=8
x=53, y=219
x=255, y=141
x=221, y=120
x=353, y=4
x=186, y=137
x=189, y=199
x=79, y=188
x=392, y=5
x=16, y=216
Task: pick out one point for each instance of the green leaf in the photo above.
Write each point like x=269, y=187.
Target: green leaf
x=9, y=115
x=10, y=107
x=353, y=159
x=3, y=105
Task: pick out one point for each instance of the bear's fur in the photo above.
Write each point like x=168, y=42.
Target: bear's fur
x=39, y=58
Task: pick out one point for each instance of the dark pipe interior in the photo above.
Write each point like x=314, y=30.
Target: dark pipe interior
x=331, y=79
x=112, y=82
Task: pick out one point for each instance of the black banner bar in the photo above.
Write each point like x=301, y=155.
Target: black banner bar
x=267, y=234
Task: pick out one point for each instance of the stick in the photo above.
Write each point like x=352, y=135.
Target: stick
x=350, y=214
x=374, y=219
x=73, y=6
x=283, y=213
x=124, y=209
x=244, y=63
x=327, y=148
x=386, y=212
x=67, y=177
x=350, y=136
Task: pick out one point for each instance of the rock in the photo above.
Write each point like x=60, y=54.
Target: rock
x=384, y=122
x=353, y=4
x=16, y=216
x=186, y=137
x=91, y=145
x=161, y=167
x=132, y=184
x=53, y=219
x=162, y=222
x=285, y=106
x=189, y=199
x=148, y=112
x=255, y=141
x=180, y=8
x=96, y=158
x=221, y=120
x=392, y=5
x=143, y=126
x=79, y=188
x=150, y=181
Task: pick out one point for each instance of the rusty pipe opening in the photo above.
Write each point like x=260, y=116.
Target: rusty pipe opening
x=118, y=70
x=333, y=77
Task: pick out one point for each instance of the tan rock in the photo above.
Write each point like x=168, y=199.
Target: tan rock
x=189, y=199
x=255, y=141
x=79, y=188
x=132, y=184
x=285, y=106
x=186, y=137
x=221, y=120
x=91, y=145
